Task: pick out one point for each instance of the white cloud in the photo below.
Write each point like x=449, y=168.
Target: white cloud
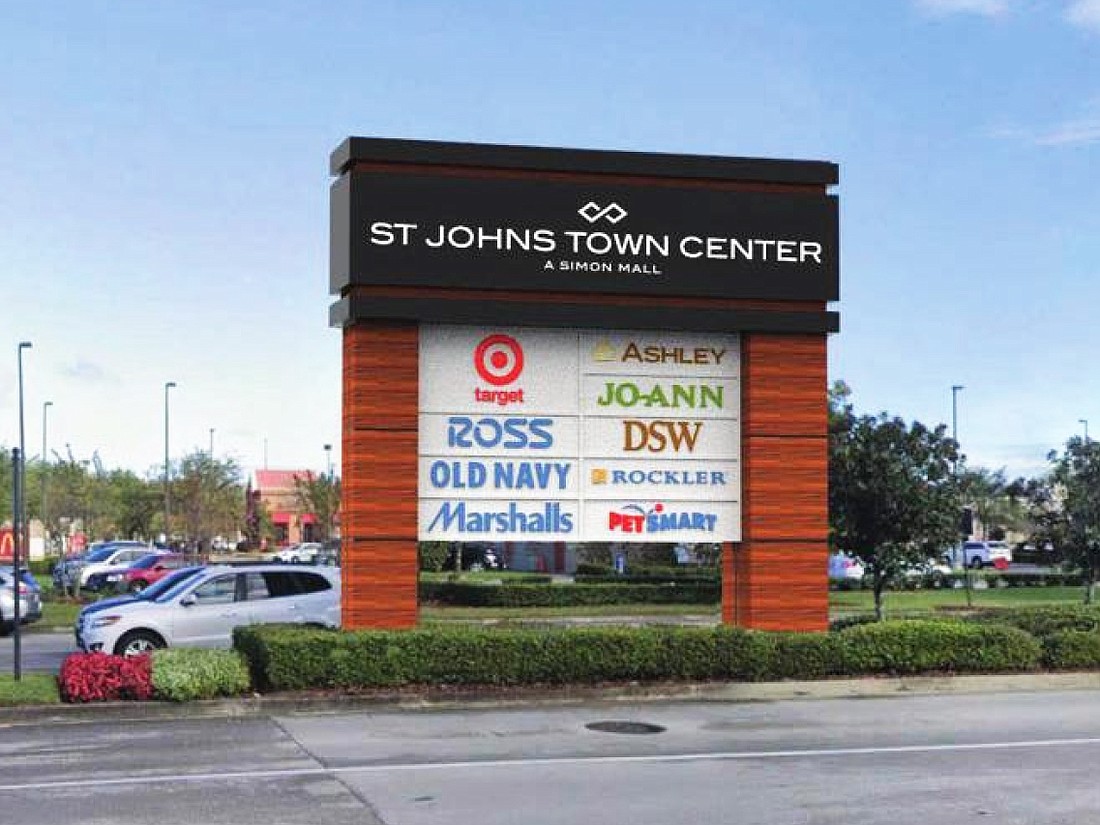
x=1084, y=13
x=987, y=8
x=1072, y=132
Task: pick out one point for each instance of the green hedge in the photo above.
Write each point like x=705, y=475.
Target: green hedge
x=296, y=658
x=935, y=645
x=570, y=595
x=181, y=674
x=636, y=578
x=1072, y=650
x=1043, y=620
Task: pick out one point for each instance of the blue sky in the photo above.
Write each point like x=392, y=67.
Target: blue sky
x=164, y=179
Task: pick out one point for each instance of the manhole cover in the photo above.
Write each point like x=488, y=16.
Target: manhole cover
x=624, y=727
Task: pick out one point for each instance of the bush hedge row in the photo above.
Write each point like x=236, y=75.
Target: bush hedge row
x=175, y=674
x=526, y=595
x=295, y=658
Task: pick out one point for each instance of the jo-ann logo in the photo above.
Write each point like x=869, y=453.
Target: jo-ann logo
x=634, y=518
x=498, y=360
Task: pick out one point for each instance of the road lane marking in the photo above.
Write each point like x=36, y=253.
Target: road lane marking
x=374, y=767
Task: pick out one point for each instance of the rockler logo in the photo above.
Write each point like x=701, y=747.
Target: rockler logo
x=634, y=518
x=593, y=212
x=498, y=360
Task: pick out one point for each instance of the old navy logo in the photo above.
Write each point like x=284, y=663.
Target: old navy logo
x=628, y=394
x=634, y=518
x=593, y=212
x=499, y=475
x=464, y=517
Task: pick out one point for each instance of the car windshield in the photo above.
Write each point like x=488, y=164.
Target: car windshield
x=145, y=562
x=102, y=554
x=170, y=586
x=160, y=591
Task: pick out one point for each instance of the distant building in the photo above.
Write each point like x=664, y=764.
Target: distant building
x=278, y=493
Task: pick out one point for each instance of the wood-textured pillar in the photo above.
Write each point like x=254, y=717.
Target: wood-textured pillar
x=378, y=520
x=776, y=578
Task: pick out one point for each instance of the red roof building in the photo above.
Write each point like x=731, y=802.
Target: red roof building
x=278, y=494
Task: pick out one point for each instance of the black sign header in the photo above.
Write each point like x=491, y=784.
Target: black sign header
x=538, y=234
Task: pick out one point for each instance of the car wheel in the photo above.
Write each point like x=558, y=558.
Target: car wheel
x=138, y=643
x=137, y=585
x=976, y=563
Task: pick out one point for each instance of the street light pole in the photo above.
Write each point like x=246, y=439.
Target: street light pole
x=328, y=459
x=167, y=496
x=1085, y=421
x=211, y=443
x=955, y=415
x=45, y=463
x=22, y=452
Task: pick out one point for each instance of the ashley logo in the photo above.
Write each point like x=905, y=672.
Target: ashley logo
x=592, y=212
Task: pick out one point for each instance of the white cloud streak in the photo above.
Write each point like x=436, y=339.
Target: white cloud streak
x=1084, y=13
x=985, y=8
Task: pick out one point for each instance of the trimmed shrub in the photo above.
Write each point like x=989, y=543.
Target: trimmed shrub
x=1043, y=620
x=935, y=646
x=181, y=674
x=1072, y=650
x=98, y=677
x=295, y=658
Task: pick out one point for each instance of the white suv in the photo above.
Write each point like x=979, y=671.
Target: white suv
x=200, y=606
x=113, y=555
x=978, y=554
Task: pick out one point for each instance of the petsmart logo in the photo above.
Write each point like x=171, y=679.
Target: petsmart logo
x=634, y=518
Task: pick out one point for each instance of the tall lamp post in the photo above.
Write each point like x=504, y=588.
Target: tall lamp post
x=328, y=460
x=45, y=513
x=167, y=496
x=1085, y=421
x=211, y=443
x=19, y=519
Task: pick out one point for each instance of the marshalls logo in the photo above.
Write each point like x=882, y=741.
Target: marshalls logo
x=593, y=212
x=498, y=360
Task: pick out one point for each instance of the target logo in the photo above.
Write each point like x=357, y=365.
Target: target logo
x=498, y=360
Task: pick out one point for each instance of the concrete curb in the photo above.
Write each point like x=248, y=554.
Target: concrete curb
x=437, y=699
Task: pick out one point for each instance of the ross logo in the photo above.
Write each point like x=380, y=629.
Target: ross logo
x=524, y=433
x=593, y=212
x=634, y=518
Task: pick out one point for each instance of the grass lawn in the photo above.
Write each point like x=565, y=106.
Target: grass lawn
x=845, y=603
x=465, y=614
x=32, y=689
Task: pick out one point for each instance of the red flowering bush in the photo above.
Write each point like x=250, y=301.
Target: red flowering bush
x=97, y=677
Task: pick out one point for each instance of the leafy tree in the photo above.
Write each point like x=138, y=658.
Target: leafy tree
x=207, y=496
x=1072, y=508
x=320, y=495
x=994, y=501
x=893, y=497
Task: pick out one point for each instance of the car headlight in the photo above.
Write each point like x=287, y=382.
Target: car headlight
x=104, y=621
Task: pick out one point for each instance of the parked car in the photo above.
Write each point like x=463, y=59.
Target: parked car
x=30, y=600
x=143, y=572
x=111, y=555
x=979, y=554
x=304, y=553
x=843, y=567
x=201, y=608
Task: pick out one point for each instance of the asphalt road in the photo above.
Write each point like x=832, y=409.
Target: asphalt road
x=1009, y=758
x=42, y=652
